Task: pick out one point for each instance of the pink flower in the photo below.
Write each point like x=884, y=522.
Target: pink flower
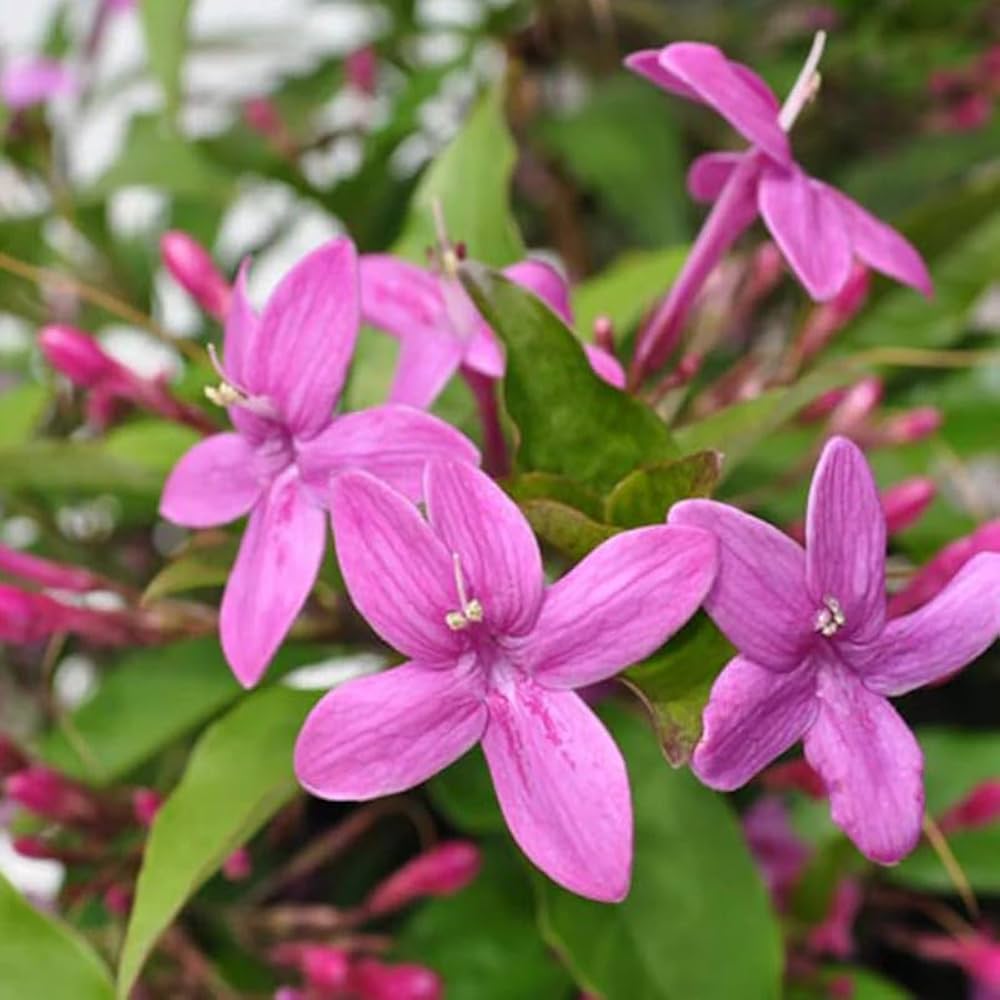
x=818, y=659
x=495, y=656
x=440, y=330
x=976, y=953
x=282, y=378
x=27, y=617
x=441, y=871
x=48, y=794
x=35, y=80
x=192, y=267
x=981, y=807
x=819, y=230
x=835, y=934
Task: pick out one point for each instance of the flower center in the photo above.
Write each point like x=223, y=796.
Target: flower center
x=830, y=618
x=226, y=393
x=469, y=609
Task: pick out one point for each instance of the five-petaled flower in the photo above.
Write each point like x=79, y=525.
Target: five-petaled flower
x=818, y=658
x=495, y=656
x=282, y=377
x=818, y=229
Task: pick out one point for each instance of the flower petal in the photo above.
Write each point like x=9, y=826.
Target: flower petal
x=242, y=327
x=809, y=228
x=562, y=787
x=400, y=298
x=620, y=604
x=214, y=482
x=307, y=335
x=387, y=732
x=758, y=599
x=425, y=365
x=393, y=443
x=398, y=572
x=710, y=173
x=499, y=555
x=484, y=352
x=941, y=637
x=880, y=246
x=734, y=91
x=871, y=765
x=276, y=568
x=753, y=715
x=845, y=539
x=547, y=284
x=647, y=63
x=605, y=365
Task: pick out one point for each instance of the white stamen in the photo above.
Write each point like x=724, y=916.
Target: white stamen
x=830, y=618
x=471, y=610
x=449, y=259
x=227, y=394
x=806, y=86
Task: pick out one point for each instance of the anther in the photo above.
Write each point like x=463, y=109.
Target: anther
x=226, y=394
x=806, y=86
x=470, y=609
x=830, y=618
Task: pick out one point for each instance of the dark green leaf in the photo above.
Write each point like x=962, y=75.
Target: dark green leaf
x=464, y=793
x=645, y=496
x=565, y=528
x=543, y=486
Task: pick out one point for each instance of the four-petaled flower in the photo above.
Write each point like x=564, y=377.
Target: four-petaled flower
x=282, y=377
x=818, y=658
x=819, y=229
x=495, y=656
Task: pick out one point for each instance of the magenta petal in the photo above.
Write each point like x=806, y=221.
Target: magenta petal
x=391, y=442
x=242, y=326
x=484, y=353
x=809, y=228
x=880, y=246
x=426, y=363
x=400, y=298
x=214, y=482
x=500, y=561
x=605, y=365
x=845, y=539
x=871, y=765
x=307, y=335
x=398, y=572
x=620, y=604
x=758, y=598
x=275, y=570
x=710, y=173
x=563, y=788
x=34, y=80
x=647, y=63
x=941, y=637
x=385, y=733
x=733, y=91
x=546, y=282
x=753, y=716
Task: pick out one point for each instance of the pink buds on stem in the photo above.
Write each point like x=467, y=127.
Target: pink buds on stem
x=192, y=267
x=441, y=871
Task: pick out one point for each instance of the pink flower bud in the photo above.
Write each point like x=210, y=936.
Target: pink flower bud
x=78, y=356
x=835, y=935
x=981, y=807
x=238, y=866
x=35, y=847
x=194, y=270
x=913, y=425
x=794, y=775
x=828, y=318
x=976, y=953
x=905, y=503
x=822, y=406
x=374, y=980
x=325, y=968
x=858, y=403
x=48, y=794
x=262, y=115
x=361, y=69
x=118, y=899
x=441, y=871
x=12, y=758
x=969, y=113
x=778, y=851
x=145, y=805
x=47, y=573
x=604, y=334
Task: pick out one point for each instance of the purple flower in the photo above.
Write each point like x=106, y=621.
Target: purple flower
x=282, y=378
x=818, y=658
x=495, y=656
x=819, y=230
x=439, y=328
x=35, y=80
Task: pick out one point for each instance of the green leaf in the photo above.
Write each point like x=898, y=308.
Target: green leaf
x=624, y=291
x=570, y=422
x=238, y=776
x=697, y=922
x=164, y=25
x=156, y=445
x=645, y=496
x=198, y=566
x=471, y=179
x=483, y=941
x=565, y=528
x=674, y=684
x=21, y=410
x=41, y=957
x=543, y=486
x=55, y=466
x=464, y=793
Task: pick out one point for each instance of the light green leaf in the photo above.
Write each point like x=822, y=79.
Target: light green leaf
x=164, y=25
x=196, y=567
x=21, y=409
x=697, y=921
x=565, y=528
x=239, y=775
x=645, y=496
x=156, y=445
x=40, y=957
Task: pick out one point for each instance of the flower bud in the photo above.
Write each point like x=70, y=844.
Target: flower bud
x=361, y=69
x=118, y=899
x=145, y=805
x=47, y=573
x=48, y=794
x=794, y=775
x=976, y=953
x=604, y=334
x=905, y=503
x=238, y=866
x=262, y=116
x=325, y=968
x=194, y=270
x=78, y=356
x=374, y=980
x=36, y=848
x=835, y=935
x=913, y=425
x=981, y=807
x=858, y=403
x=441, y=871
x=827, y=318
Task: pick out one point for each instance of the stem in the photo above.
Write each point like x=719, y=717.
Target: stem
x=943, y=850
x=495, y=459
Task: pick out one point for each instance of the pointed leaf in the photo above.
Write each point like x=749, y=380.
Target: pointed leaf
x=645, y=496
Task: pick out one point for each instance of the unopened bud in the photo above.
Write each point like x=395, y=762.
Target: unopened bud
x=48, y=794
x=835, y=935
x=194, y=270
x=857, y=405
x=262, y=116
x=47, y=573
x=325, y=968
x=981, y=807
x=441, y=871
x=77, y=355
x=976, y=953
x=794, y=775
x=913, y=425
x=828, y=318
x=118, y=899
x=374, y=980
x=604, y=334
x=361, y=70
x=905, y=503
x=37, y=848
x=238, y=866
x=145, y=805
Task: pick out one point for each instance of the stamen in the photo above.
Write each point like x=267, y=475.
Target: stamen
x=447, y=254
x=470, y=610
x=227, y=394
x=806, y=86
x=830, y=618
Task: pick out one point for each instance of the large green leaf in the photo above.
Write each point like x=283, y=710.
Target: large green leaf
x=569, y=421
x=41, y=958
x=565, y=528
x=697, y=922
x=483, y=941
x=53, y=465
x=645, y=496
x=21, y=409
x=239, y=774
x=471, y=179
x=164, y=25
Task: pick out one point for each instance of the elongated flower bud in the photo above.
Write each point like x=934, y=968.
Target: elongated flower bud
x=238, y=865
x=913, y=425
x=145, y=805
x=47, y=573
x=325, y=968
x=441, y=871
x=857, y=405
x=905, y=503
x=118, y=899
x=194, y=270
x=374, y=980
x=78, y=356
x=981, y=807
x=828, y=318
x=48, y=794
x=361, y=70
